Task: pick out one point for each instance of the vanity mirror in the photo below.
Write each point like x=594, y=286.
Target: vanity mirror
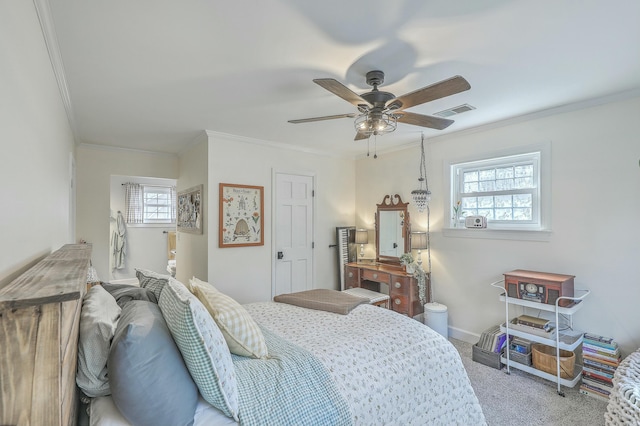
x=392, y=229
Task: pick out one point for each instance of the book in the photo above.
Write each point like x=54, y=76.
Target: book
x=614, y=362
x=548, y=334
x=597, y=373
x=601, y=383
x=534, y=321
x=595, y=395
x=601, y=339
x=603, y=392
x=598, y=365
x=601, y=351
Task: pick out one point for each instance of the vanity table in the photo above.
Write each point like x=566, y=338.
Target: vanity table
x=393, y=232
x=403, y=288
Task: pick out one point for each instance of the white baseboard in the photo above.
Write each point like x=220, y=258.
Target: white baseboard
x=464, y=335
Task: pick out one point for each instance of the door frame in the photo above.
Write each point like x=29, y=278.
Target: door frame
x=274, y=250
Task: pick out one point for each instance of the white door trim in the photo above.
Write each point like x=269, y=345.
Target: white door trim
x=274, y=173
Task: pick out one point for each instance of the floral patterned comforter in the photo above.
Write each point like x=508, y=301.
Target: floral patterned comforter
x=391, y=369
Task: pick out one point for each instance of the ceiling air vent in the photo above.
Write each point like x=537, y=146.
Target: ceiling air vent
x=455, y=110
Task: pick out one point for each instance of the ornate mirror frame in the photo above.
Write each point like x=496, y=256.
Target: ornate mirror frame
x=393, y=203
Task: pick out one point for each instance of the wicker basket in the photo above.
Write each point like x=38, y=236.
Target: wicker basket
x=544, y=359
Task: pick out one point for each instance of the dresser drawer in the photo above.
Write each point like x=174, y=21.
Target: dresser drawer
x=400, y=304
x=400, y=285
x=381, y=277
x=351, y=277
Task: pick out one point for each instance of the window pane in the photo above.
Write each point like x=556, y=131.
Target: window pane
x=485, y=202
x=526, y=170
x=488, y=213
x=470, y=176
x=469, y=202
x=488, y=174
x=470, y=187
x=503, y=201
x=503, y=214
x=522, y=200
x=487, y=186
x=525, y=182
x=522, y=214
x=504, y=172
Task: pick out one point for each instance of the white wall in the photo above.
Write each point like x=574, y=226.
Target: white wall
x=37, y=143
x=245, y=272
x=192, y=249
x=595, y=180
x=146, y=246
x=95, y=166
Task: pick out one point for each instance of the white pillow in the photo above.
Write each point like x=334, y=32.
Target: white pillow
x=240, y=331
x=98, y=320
x=202, y=345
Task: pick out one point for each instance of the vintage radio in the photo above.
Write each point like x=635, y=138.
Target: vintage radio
x=540, y=287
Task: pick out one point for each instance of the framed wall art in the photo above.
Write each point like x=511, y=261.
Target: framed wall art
x=241, y=215
x=189, y=210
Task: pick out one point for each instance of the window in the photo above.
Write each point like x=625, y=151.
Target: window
x=507, y=190
x=157, y=204
x=149, y=204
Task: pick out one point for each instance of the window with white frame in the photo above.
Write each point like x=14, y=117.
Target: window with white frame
x=149, y=204
x=157, y=204
x=506, y=190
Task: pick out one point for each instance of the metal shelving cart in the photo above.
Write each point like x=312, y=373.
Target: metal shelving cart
x=568, y=340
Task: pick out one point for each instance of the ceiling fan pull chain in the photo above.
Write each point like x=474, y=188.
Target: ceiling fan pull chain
x=375, y=147
x=368, y=139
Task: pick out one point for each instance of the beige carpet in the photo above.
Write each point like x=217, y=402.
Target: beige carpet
x=520, y=398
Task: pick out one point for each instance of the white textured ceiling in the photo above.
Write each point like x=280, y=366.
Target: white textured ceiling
x=152, y=75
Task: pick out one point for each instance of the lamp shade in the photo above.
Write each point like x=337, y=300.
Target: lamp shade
x=419, y=240
x=362, y=236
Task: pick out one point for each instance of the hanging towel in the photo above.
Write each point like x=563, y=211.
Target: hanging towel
x=118, y=243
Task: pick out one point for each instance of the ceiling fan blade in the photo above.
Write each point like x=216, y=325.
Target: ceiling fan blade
x=339, y=89
x=326, y=117
x=360, y=136
x=435, y=91
x=423, y=120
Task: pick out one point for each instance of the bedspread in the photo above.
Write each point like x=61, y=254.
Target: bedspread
x=290, y=387
x=390, y=369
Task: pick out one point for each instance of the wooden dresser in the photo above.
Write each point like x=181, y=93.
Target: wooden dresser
x=39, y=326
x=403, y=288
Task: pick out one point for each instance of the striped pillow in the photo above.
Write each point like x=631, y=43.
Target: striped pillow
x=202, y=346
x=152, y=281
x=240, y=331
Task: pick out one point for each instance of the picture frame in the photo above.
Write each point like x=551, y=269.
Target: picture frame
x=189, y=210
x=241, y=222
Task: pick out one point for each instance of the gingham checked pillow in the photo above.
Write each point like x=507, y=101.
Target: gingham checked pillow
x=202, y=345
x=152, y=281
x=240, y=331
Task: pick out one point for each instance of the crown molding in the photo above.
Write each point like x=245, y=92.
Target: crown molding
x=279, y=145
x=43, y=10
x=98, y=147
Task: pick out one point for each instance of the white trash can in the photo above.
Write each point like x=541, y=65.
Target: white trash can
x=436, y=317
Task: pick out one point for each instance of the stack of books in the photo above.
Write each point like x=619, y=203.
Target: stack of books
x=601, y=357
x=492, y=340
x=533, y=325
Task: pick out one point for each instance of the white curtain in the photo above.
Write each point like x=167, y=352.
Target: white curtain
x=173, y=204
x=133, y=202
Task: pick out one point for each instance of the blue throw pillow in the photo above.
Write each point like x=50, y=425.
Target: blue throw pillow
x=150, y=383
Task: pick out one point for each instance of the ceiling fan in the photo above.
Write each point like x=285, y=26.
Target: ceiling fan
x=379, y=111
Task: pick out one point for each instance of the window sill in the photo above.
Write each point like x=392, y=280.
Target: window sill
x=498, y=234
x=151, y=225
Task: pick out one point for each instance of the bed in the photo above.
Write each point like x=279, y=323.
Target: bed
x=369, y=366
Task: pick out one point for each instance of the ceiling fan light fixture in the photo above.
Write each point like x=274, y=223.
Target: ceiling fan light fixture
x=375, y=123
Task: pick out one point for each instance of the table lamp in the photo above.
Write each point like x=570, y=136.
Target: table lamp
x=362, y=238
x=419, y=242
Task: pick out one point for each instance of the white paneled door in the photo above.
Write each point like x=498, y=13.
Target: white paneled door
x=293, y=249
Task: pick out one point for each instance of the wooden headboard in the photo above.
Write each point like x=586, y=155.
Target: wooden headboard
x=39, y=325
